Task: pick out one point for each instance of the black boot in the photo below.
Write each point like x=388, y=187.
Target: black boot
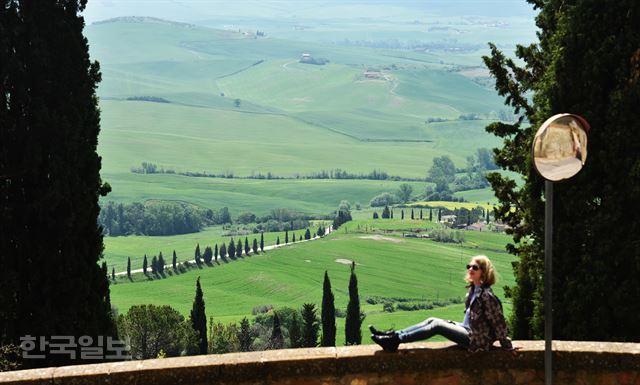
x=377, y=332
x=389, y=343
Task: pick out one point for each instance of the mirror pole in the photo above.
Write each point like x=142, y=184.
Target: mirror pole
x=548, y=282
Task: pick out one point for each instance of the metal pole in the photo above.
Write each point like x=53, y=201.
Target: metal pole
x=548, y=282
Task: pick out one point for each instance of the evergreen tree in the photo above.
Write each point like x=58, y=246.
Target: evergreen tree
x=262, y=242
x=277, y=241
x=402, y=214
x=412, y=215
x=286, y=237
x=328, y=314
x=294, y=238
x=386, y=213
x=439, y=215
x=430, y=215
x=276, y=341
x=239, y=249
x=391, y=215
x=215, y=253
x=375, y=215
x=223, y=251
x=307, y=234
x=160, y=263
x=154, y=265
x=174, y=261
x=144, y=265
x=50, y=242
x=295, y=331
x=199, y=319
x=247, y=249
x=420, y=214
x=197, y=255
x=589, y=66
x=320, y=232
x=231, y=250
x=129, y=267
x=113, y=274
x=255, y=246
x=207, y=255
x=310, y=325
x=245, y=336
x=487, y=218
x=354, y=317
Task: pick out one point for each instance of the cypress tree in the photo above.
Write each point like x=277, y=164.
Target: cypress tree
x=215, y=253
x=262, y=242
x=294, y=238
x=420, y=214
x=430, y=215
x=199, y=319
x=307, y=234
x=276, y=341
x=375, y=215
x=402, y=214
x=255, y=246
x=208, y=255
x=310, y=325
x=239, y=249
x=439, y=215
x=328, y=314
x=223, y=251
x=197, y=254
x=589, y=66
x=412, y=215
x=295, y=331
x=487, y=219
x=174, y=261
x=245, y=336
x=286, y=237
x=277, y=241
x=247, y=249
x=354, y=318
x=391, y=216
x=113, y=274
x=160, y=263
x=231, y=249
x=129, y=267
x=386, y=213
x=50, y=241
x=144, y=265
x=154, y=265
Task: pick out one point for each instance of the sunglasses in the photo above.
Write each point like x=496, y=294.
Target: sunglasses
x=474, y=267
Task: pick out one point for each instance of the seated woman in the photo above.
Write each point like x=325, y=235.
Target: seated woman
x=483, y=318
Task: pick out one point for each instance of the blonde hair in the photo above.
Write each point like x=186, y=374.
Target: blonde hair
x=489, y=275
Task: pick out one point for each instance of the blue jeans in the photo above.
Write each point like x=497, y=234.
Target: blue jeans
x=454, y=331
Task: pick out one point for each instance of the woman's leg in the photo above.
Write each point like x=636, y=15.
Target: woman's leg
x=435, y=326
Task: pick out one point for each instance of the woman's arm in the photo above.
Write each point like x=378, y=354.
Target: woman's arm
x=493, y=312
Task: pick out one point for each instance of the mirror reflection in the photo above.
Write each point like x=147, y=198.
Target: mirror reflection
x=560, y=146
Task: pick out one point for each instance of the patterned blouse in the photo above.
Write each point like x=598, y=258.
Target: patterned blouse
x=487, y=322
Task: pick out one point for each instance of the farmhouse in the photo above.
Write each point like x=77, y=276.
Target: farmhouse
x=448, y=219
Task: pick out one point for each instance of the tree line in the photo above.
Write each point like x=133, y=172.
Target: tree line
x=161, y=331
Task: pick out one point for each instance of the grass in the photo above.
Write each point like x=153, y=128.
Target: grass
x=388, y=267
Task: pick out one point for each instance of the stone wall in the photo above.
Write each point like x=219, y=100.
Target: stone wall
x=418, y=363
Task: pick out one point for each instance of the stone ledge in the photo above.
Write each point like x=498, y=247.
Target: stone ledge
x=416, y=363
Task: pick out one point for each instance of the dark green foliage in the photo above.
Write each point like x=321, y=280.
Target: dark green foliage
x=412, y=215
x=198, y=255
x=375, y=215
x=215, y=252
x=420, y=214
x=402, y=214
x=343, y=214
x=588, y=66
x=286, y=237
x=247, y=249
x=245, y=336
x=310, y=325
x=207, y=255
x=223, y=251
x=328, y=314
x=439, y=215
x=51, y=282
x=239, y=249
x=199, y=319
x=276, y=341
x=487, y=218
x=277, y=241
x=320, y=231
x=386, y=213
x=255, y=246
x=129, y=267
x=307, y=234
x=154, y=265
x=161, y=264
x=174, y=261
x=404, y=192
x=262, y=242
x=354, y=318
x=295, y=332
x=430, y=215
x=294, y=238
x=152, y=329
x=144, y=264
x=113, y=274
x=391, y=215
x=231, y=249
